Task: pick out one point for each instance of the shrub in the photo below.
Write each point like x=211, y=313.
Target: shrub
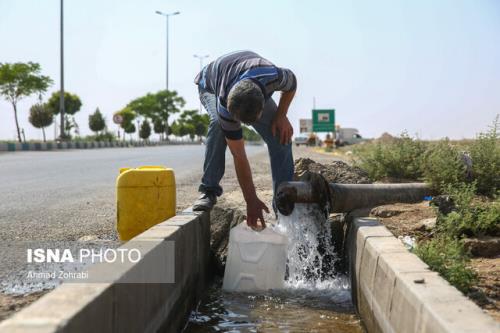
x=104, y=136
x=443, y=165
x=485, y=153
x=472, y=216
x=448, y=257
x=400, y=158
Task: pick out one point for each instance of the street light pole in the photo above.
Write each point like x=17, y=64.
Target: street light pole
x=167, y=16
x=61, y=96
x=166, y=50
x=201, y=57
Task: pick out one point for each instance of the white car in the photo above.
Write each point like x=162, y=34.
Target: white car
x=301, y=140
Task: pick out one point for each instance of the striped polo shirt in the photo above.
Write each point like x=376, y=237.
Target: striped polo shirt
x=219, y=77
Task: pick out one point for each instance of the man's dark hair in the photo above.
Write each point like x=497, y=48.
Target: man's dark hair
x=245, y=101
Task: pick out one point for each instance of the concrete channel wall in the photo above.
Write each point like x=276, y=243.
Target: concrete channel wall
x=130, y=307
x=394, y=291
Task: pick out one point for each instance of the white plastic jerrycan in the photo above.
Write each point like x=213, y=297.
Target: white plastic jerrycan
x=256, y=260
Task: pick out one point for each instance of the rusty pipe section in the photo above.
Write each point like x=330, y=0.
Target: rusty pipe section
x=343, y=198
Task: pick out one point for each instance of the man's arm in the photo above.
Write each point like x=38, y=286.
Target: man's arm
x=280, y=122
x=244, y=174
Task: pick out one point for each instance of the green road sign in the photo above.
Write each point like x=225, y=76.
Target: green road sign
x=323, y=120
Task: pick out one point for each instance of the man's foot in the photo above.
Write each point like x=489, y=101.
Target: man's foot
x=205, y=202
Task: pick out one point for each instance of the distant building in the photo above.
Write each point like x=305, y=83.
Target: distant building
x=305, y=125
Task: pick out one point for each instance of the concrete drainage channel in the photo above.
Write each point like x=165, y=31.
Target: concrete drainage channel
x=392, y=289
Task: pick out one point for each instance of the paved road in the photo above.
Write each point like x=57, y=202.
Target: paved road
x=66, y=195
x=66, y=199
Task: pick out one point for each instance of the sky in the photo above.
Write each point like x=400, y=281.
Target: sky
x=430, y=67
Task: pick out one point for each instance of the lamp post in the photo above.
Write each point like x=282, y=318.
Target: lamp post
x=61, y=96
x=167, y=16
x=167, y=19
x=201, y=57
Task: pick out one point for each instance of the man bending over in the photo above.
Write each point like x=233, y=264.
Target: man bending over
x=237, y=88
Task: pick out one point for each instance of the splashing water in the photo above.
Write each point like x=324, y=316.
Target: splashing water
x=315, y=298
x=311, y=254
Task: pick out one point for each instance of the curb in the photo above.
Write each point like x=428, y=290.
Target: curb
x=394, y=291
x=130, y=307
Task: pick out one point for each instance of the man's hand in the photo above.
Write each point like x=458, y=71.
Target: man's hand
x=282, y=125
x=280, y=122
x=254, y=212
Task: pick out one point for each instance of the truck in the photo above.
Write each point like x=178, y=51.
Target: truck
x=347, y=136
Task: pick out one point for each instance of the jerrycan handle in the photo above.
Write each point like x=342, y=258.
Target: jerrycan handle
x=151, y=167
x=122, y=170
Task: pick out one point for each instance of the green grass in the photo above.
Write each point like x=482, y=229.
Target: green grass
x=447, y=256
x=472, y=216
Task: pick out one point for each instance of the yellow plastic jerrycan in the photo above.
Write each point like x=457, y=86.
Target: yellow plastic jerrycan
x=145, y=196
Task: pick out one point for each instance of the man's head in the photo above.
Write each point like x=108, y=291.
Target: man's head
x=245, y=101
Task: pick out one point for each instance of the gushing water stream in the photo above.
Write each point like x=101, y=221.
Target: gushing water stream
x=315, y=299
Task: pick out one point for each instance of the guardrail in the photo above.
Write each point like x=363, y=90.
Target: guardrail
x=43, y=146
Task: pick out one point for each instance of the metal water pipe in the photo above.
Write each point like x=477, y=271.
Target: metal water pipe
x=342, y=198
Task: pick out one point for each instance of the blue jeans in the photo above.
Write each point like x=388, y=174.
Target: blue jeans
x=215, y=153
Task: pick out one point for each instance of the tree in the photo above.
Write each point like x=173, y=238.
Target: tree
x=170, y=103
x=145, y=130
x=128, y=116
x=187, y=129
x=129, y=129
x=175, y=128
x=192, y=123
x=72, y=105
x=159, y=127
x=97, y=122
x=19, y=80
x=200, y=123
x=160, y=105
x=40, y=117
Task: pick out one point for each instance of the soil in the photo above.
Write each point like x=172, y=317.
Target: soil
x=488, y=295
x=13, y=303
x=405, y=219
x=486, y=246
x=333, y=172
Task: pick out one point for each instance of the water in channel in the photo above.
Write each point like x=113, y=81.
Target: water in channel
x=315, y=299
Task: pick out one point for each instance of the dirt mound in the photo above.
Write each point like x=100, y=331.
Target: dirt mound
x=385, y=137
x=334, y=172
